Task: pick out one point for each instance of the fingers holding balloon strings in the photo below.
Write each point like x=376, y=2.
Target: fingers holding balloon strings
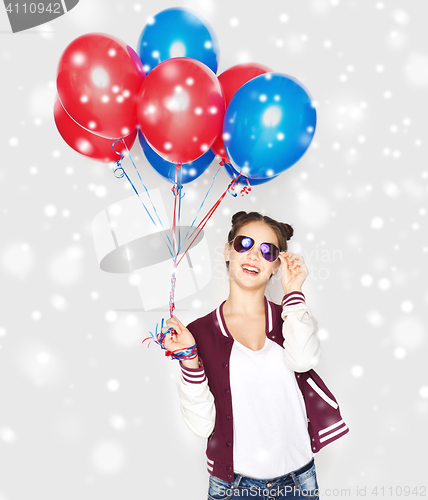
x=158, y=337
x=172, y=334
x=180, y=324
x=174, y=328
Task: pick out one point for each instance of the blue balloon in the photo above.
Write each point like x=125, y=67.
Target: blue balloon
x=233, y=173
x=177, y=32
x=268, y=125
x=189, y=171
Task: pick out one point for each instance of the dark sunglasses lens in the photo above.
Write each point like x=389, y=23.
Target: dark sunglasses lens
x=243, y=243
x=269, y=251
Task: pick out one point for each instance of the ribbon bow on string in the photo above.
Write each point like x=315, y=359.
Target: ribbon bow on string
x=246, y=189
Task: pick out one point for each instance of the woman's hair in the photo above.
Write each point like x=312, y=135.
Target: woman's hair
x=282, y=230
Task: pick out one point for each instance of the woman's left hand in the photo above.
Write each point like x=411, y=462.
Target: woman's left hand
x=293, y=272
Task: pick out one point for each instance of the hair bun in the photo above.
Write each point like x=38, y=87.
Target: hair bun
x=237, y=216
x=288, y=230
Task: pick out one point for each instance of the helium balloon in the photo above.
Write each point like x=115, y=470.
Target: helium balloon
x=87, y=143
x=231, y=80
x=98, y=81
x=268, y=125
x=189, y=171
x=180, y=109
x=177, y=32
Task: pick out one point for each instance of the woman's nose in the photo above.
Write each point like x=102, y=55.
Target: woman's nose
x=254, y=252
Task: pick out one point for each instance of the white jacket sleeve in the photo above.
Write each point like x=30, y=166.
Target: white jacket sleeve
x=302, y=348
x=196, y=400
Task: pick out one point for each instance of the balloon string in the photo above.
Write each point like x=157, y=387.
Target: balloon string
x=145, y=188
x=202, y=204
x=185, y=238
x=119, y=172
x=174, y=215
x=203, y=222
x=179, y=187
x=175, y=226
x=179, y=207
x=199, y=228
x=231, y=190
x=172, y=291
x=177, y=212
x=124, y=174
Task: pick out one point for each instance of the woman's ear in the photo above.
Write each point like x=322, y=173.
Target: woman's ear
x=276, y=267
x=226, y=252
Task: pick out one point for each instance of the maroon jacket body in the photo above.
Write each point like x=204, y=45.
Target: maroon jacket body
x=325, y=423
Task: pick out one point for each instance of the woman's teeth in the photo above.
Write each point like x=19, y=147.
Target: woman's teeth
x=251, y=269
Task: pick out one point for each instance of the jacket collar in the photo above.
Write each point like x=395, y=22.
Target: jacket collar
x=220, y=322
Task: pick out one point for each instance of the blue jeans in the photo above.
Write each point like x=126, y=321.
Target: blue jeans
x=298, y=484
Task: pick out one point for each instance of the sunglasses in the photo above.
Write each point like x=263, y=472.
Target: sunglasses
x=242, y=244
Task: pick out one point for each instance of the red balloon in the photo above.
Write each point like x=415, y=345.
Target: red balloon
x=180, y=109
x=231, y=81
x=99, y=78
x=85, y=142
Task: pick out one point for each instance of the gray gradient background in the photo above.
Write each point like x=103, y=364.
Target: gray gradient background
x=86, y=411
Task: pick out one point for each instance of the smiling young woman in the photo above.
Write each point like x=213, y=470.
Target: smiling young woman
x=251, y=389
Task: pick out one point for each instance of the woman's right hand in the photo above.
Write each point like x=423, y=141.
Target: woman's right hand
x=179, y=341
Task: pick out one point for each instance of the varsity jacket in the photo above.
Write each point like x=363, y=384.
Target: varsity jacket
x=205, y=396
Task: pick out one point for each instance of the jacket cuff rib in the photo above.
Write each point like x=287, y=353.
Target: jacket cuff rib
x=293, y=298
x=193, y=375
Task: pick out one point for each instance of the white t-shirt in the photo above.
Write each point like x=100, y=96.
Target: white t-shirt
x=269, y=414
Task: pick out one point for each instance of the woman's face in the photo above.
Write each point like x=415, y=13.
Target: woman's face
x=250, y=269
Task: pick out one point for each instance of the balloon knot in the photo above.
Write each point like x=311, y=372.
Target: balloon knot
x=176, y=191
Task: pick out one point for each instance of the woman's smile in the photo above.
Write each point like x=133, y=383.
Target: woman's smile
x=250, y=269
